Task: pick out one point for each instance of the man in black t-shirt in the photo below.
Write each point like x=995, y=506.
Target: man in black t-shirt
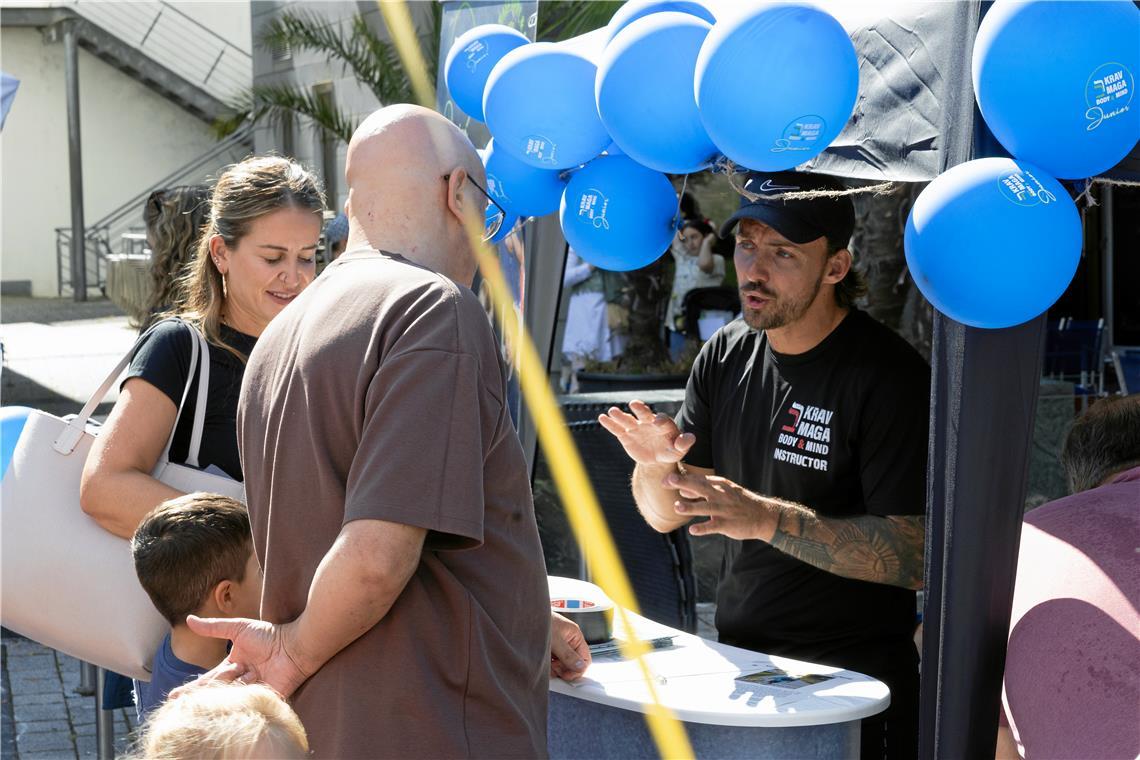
x=803, y=439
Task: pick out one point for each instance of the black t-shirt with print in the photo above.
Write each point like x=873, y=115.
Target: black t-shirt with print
x=164, y=362
x=841, y=429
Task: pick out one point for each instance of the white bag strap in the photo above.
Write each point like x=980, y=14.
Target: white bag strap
x=76, y=427
x=203, y=350
x=199, y=357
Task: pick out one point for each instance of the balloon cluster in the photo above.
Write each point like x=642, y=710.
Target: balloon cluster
x=591, y=126
x=995, y=242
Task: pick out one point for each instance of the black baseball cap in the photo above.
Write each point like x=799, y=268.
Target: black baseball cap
x=800, y=221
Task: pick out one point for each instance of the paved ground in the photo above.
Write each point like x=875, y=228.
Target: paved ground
x=56, y=351
x=44, y=716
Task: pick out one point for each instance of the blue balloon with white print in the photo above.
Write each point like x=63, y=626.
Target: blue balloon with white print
x=1056, y=82
x=617, y=214
x=540, y=107
x=519, y=187
x=776, y=84
x=993, y=242
x=470, y=60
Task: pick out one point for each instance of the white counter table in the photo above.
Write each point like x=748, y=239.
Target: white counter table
x=775, y=716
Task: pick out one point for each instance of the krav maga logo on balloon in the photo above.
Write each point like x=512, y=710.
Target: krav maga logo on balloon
x=592, y=205
x=802, y=134
x=1108, y=93
x=1024, y=189
x=541, y=149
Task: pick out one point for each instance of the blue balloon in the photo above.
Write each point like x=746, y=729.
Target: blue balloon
x=993, y=242
x=645, y=94
x=505, y=228
x=617, y=214
x=519, y=187
x=470, y=60
x=1056, y=82
x=776, y=84
x=540, y=106
x=634, y=9
x=12, y=419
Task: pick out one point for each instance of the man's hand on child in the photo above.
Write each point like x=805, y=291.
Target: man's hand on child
x=259, y=654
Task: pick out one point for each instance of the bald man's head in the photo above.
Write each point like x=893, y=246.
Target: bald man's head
x=398, y=197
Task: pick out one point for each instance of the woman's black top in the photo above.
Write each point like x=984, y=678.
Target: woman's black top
x=164, y=362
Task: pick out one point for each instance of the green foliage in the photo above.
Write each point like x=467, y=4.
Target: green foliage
x=562, y=19
x=374, y=62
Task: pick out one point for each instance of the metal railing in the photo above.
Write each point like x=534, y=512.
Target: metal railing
x=96, y=247
x=171, y=38
x=115, y=227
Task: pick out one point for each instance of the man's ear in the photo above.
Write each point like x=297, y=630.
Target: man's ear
x=837, y=266
x=456, y=202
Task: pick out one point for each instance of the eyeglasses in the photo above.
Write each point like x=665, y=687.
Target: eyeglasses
x=493, y=223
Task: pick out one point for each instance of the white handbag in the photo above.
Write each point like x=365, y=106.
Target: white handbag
x=66, y=582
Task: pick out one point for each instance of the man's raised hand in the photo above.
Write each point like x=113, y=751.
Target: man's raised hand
x=648, y=438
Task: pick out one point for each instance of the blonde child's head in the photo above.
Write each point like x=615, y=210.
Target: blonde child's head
x=221, y=721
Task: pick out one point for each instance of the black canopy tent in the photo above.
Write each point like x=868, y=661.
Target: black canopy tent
x=915, y=118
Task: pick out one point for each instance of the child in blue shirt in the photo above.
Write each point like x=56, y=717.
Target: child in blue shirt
x=193, y=556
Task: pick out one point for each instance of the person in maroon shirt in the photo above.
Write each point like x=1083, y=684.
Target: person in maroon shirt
x=1072, y=667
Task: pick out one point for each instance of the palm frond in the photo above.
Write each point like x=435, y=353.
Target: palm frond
x=224, y=126
x=309, y=31
x=273, y=104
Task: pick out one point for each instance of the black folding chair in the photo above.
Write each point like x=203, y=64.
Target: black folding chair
x=659, y=565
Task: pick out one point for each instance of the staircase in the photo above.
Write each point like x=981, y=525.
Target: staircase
x=173, y=55
x=120, y=231
x=152, y=42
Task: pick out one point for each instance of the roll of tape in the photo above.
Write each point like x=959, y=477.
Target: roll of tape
x=596, y=619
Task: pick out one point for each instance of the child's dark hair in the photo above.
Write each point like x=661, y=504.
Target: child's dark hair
x=186, y=546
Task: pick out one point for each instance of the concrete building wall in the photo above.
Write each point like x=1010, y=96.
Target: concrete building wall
x=131, y=138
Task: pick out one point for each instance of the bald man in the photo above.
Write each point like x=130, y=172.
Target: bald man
x=405, y=597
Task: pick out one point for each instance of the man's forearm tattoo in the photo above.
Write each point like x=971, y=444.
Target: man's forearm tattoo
x=869, y=548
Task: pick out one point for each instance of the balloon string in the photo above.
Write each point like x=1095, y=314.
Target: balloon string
x=730, y=170
x=1090, y=199
x=677, y=216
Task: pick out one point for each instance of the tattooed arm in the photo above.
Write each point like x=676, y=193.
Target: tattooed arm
x=868, y=547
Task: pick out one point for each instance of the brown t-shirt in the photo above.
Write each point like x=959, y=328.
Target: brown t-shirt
x=379, y=394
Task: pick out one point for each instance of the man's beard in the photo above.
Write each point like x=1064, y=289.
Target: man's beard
x=780, y=311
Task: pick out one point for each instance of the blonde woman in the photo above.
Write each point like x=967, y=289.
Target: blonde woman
x=174, y=220
x=255, y=255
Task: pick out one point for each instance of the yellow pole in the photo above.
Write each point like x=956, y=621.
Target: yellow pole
x=574, y=488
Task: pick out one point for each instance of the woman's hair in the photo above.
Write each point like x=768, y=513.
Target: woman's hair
x=174, y=218
x=223, y=721
x=244, y=193
x=700, y=225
